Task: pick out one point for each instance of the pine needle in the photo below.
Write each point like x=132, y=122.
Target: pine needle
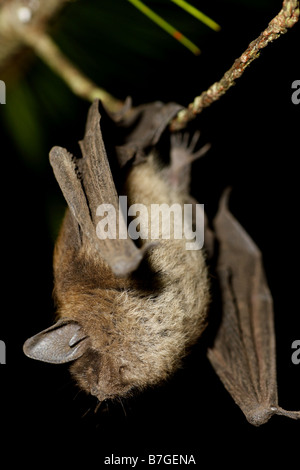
x=280, y=24
x=166, y=26
x=197, y=14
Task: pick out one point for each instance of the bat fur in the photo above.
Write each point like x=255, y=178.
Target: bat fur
x=125, y=333
x=138, y=331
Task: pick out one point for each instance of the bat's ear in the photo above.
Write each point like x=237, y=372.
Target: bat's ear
x=63, y=342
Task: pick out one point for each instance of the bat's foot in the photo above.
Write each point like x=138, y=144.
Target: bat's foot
x=182, y=155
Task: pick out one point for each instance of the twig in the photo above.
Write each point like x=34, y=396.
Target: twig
x=286, y=18
x=81, y=85
x=15, y=14
x=21, y=26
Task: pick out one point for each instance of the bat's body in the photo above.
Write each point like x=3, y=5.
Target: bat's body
x=122, y=332
x=138, y=327
x=127, y=313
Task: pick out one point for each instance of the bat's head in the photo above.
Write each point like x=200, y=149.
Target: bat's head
x=98, y=371
x=125, y=334
x=99, y=331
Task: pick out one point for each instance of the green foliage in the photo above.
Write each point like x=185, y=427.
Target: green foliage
x=125, y=53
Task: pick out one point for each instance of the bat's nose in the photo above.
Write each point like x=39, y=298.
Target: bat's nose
x=99, y=392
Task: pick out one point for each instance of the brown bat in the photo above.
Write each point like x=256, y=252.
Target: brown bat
x=128, y=311
x=126, y=315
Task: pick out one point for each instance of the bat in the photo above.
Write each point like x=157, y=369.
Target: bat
x=126, y=314
x=128, y=310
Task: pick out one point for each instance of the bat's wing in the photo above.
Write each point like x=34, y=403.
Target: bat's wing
x=142, y=128
x=89, y=188
x=244, y=351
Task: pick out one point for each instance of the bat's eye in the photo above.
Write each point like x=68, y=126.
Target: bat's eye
x=123, y=370
x=125, y=374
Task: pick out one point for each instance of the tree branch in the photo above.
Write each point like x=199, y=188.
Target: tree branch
x=286, y=18
x=25, y=25
x=81, y=85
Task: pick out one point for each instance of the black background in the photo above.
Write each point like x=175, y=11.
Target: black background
x=254, y=133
